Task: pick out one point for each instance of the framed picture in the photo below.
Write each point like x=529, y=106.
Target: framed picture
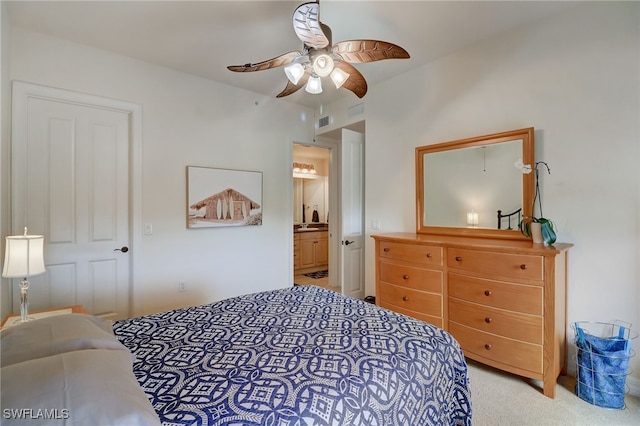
x=222, y=197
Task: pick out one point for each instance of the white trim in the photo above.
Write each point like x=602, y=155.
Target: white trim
x=23, y=90
x=334, y=244
x=290, y=215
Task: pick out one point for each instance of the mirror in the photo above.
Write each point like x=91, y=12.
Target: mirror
x=461, y=185
x=311, y=196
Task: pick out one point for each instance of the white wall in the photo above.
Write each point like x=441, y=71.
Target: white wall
x=187, y=120
x=575, y=78
x=5, y=126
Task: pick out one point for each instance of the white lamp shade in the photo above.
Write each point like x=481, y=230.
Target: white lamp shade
x=323, y=65
x=338, y=77
x=294, y=72
x=23, y=256
x=314, y=85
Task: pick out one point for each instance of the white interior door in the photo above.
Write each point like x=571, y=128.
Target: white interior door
x=70, y=183
x=352, y=229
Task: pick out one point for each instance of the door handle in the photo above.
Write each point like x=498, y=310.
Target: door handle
x=123, y=249
x=347, y=242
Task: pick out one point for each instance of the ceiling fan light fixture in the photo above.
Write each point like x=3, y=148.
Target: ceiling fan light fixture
x=338, y=77
x=314, y=86
x=323, y=65
x=294, y=72
x=319, y=56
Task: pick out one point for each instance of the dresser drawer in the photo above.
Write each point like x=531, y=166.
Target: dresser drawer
x=426, y=255
x=413, y=300
x=431, y=319
x=509, y=324
x=410, y=277
x=526, y=356
x=526, y=299
x=522, y=266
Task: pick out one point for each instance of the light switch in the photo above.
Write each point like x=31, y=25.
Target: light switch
x=148, y=229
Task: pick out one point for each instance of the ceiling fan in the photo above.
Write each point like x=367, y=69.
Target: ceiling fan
x=319, y=58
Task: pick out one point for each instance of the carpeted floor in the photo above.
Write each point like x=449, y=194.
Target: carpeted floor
x=500, y=398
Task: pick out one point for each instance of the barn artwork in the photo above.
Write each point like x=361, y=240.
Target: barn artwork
x=221, y=197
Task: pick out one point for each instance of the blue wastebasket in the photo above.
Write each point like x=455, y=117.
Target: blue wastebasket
x=603, y=353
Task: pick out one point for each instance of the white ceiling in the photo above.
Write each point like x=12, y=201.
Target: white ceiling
x=203, y=37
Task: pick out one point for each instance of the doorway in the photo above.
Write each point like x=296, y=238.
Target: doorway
x=311, y=213
x=344, y=209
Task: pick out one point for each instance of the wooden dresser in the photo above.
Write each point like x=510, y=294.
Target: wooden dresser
x=410, y=279
x=503, y=300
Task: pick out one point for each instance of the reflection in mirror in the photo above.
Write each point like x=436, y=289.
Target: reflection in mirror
x=478, y=179
x=310, y=200
x=461, y=185
x=310, y=184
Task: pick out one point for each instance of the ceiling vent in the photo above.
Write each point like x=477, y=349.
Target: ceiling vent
x=323, y=122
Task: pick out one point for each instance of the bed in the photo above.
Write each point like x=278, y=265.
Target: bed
x=297, y=356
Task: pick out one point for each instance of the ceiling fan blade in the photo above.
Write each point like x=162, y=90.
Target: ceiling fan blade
x=360, y=51
x=307, y=25
x=278, y=61
x=356, y=82
x=293, y=88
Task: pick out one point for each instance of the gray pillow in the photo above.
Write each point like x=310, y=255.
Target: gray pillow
x=88, y=387
x=54, y=335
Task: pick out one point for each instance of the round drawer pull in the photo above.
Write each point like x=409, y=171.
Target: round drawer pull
x=523, y=266
x=458, y=258
x=487, y=292
x=488, y=320
x=487, y=346
x=405, y=277
x=405, y=298
x=429, y=255
x=386, y=249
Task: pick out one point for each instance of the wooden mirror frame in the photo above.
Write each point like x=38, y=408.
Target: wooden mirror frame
x=528, y=182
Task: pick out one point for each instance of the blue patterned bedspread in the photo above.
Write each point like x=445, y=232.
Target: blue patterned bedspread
x=297, y=356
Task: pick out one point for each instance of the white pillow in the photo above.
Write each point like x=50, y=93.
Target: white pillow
x=88, y=387
x=54, y=335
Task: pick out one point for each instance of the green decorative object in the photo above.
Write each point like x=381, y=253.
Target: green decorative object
x=547, y=228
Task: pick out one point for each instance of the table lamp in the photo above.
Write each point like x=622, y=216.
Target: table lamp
x=23, y=257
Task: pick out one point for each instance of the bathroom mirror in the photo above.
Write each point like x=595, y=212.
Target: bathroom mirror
x=461, y=185
x=309, y=196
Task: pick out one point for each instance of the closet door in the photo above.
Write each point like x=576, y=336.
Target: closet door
x=70, y=183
